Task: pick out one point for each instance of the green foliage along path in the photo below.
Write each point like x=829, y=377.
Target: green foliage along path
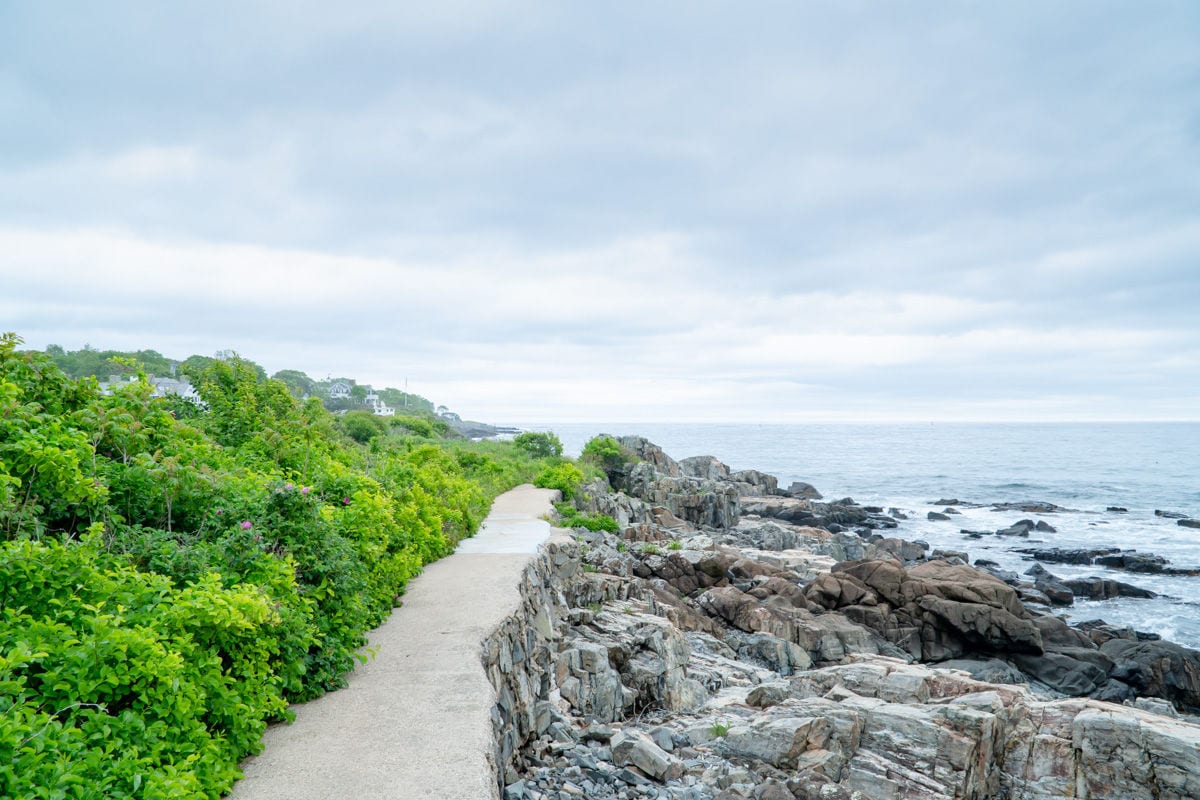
x=172, y=576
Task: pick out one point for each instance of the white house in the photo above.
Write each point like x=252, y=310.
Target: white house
x=380, y=408
x=162, y=387
x=166, y=386
x=339, y=390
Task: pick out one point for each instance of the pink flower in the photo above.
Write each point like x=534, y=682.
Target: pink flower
x=345, y=501
x=219, y=511
x=288, y=486
x=305, y=490
x=247, y=525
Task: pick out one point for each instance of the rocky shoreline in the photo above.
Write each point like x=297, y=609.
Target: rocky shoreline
x=736, y=640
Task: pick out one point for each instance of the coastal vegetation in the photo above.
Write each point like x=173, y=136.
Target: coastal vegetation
x=174, y=573
x=571, y=517
x=106, y=364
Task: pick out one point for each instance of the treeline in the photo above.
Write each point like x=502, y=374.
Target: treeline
x=172, y=576
x=104, y=364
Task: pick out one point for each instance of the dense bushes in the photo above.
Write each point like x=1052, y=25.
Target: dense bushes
x=539, y=444
x=571, y=517
x=564, y=477
x=172, y=576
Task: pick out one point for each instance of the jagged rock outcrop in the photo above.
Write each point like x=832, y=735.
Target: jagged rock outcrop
x=934, y=611
x=802, y=490
x=831, y=516
x=707, y=468
x=693, y=661
x=700, y=502
x=1157, y=669
x=648, y=452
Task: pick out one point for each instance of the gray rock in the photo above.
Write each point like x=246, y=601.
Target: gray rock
x=1059, y=555
x=901, y=549
x=663, y=737
x=1157, y=669
x=778, y=655
x=989, y=670
x=705, y=467
x=634, y=748
x=1063, y=671
x=1097, y=588
x=778, y=742
x=768, y=694
x=1133, y=562
x=752, y=483
x=803, y=491
x=1019, y=528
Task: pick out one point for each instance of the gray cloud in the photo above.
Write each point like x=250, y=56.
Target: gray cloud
x=863, y=210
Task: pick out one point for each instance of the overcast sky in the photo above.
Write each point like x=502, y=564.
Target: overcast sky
x=622, y=211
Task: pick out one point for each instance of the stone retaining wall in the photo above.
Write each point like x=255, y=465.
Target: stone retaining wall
x=519, y=656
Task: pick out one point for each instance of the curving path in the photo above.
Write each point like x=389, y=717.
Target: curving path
x=415, y=721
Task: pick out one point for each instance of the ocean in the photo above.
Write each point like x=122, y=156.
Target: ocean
x=1083, y=466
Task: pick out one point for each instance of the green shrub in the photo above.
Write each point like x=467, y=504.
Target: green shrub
x=118, y=683
x=565, y=477
x=539, y=445
x=571, y=517
x=168, y=582
x=605, y=452
x=362, y=426
x=418, y=426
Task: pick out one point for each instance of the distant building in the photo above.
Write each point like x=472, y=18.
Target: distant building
x=179, y=388
x=162, y=387
x=380, y=408
x=115, y=382
x=339, y=390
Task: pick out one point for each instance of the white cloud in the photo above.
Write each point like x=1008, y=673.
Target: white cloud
x=797, y=213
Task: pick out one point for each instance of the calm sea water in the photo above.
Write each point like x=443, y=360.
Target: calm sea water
x=1085, y=466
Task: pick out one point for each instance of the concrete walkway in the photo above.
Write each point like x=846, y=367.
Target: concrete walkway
x=414, y=722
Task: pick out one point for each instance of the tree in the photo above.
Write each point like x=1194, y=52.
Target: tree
x=299, y=384
x=362, y=426
x=539, y=444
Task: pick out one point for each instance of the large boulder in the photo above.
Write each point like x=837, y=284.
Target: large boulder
x=589, y=683
x=701, y=502
x=752, y=483
x=802, y=490
x=645, y=450
x=1097, y=588
x=905, y=731
x=934, y=611
x=634, y=748
x=810, y=512
x=826, y=638
x=1159, y=669
x=706, y=468
x=778, y=742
